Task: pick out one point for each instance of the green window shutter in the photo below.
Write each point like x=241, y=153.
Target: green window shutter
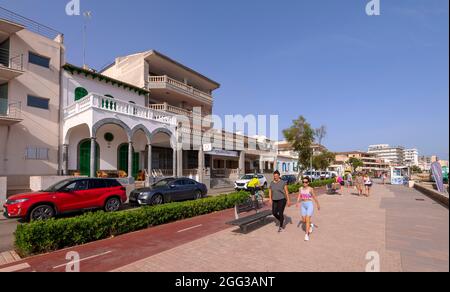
x=80, y=92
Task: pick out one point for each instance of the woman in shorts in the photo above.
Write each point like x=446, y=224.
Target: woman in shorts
x=307, y=197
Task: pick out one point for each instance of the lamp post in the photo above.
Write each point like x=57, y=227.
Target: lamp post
x=87, y=16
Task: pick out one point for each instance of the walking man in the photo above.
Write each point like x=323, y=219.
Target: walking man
x=279, y=198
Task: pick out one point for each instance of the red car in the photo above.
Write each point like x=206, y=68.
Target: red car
x=67, y=196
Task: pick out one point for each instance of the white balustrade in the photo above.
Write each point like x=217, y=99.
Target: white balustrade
x=180, y=85
x=104, y=103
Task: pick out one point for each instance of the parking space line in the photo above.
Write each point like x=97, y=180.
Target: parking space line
x=81, y=260
x=190, y=228
x=15, y=268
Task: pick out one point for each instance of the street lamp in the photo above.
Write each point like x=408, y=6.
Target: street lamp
x=87, y=16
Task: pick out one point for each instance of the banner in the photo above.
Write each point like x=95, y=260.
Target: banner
x=436, y=170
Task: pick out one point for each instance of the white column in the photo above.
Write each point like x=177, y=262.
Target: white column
x=65, y=161
x=242, y=163
x=130, y=159
x=174, y=162
x=201, y=165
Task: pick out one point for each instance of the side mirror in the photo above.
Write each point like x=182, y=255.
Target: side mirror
x=172, y=186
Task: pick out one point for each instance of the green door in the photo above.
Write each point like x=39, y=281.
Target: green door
x=84, y=157
x=123, y=160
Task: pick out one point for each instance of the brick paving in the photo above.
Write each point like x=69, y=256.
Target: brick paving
x=408, y=235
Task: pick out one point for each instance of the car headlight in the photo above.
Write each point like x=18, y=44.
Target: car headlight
x=14, y=202
x=143, y=196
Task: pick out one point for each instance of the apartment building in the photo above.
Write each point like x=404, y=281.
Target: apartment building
x=395, y=155
x=31, y=56
x=411, y=157
x=371, y=163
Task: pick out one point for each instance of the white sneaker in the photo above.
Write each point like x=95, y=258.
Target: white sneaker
x=306, y=237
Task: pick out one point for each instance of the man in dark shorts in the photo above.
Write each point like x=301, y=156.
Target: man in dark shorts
x=279, y=198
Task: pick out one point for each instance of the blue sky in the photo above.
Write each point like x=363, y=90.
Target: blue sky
x=370, y=80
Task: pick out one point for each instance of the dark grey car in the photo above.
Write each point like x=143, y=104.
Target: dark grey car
x=168, y=190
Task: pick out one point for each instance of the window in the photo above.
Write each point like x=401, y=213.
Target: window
x=33, y=153
x=38, y=102
x=97, y=184
x=39, y=60
x=80, y=92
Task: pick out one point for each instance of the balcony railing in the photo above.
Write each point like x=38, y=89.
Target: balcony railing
x=29, y=24
x=11, y=61
x=10, y=110
x=117, y=106
x=157, y=81
x=165, y=107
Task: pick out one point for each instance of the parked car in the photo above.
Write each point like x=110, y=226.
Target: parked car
x=168, y=190
x=289, y=179
x=65, y=197
x=242, y=183
x=312, y=175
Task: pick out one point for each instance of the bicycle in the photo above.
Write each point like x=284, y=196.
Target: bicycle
x=258, y=196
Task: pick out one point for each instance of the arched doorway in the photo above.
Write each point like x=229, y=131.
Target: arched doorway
x=84, y=157
x=122, y=159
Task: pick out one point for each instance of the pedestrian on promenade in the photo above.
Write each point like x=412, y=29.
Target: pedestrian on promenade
x=349, y=180
x=367, y=184
x=307, y=197
x=360, y=184
x=384, y=178
x=279, y=198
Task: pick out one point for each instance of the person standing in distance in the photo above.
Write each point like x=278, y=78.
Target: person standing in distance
x=279, y=198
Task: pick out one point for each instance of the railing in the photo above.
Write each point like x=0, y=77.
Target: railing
x=12, y=110
x=29, y=24
x=15, y=62
x=165, y=107
x=117, y=106
x=179, y=85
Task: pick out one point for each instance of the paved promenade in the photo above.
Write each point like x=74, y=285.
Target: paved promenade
x=409, y=232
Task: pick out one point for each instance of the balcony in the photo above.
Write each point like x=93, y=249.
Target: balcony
x=109, y=107
x=165, y=83
x=167, y=108
x=10, y=114
x=11, y=66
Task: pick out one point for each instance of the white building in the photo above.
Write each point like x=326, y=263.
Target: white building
x=411, y=157
x=395, y=155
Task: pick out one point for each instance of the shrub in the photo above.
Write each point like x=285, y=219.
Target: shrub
x=46, y=236
x=295, y=188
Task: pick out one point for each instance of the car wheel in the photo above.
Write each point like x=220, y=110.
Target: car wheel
x=198, y=195
x=112, y=205
x=42, y=212
x=157, y=200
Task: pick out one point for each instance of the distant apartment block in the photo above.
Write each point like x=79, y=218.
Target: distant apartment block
x=411, y=157
x=395, y=155
x=371, y=163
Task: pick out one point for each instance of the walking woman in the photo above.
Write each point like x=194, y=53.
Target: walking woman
x=360, y=184
x=307, y=197
x=367, y=184
x=279, y=198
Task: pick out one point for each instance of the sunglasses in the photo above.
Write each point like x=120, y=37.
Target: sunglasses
x=306, y=182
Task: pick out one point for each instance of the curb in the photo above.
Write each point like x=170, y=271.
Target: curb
x=433, y=194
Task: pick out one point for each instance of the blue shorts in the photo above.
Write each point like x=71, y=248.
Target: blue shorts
x=307, y=209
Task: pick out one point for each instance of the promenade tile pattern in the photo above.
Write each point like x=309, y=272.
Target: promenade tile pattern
x=408, y=235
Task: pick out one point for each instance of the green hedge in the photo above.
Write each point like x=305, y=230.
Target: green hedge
x=46, y=236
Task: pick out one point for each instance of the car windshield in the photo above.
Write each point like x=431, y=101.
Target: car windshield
x=58, y=186
x=247, y=177
x=163, y=182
